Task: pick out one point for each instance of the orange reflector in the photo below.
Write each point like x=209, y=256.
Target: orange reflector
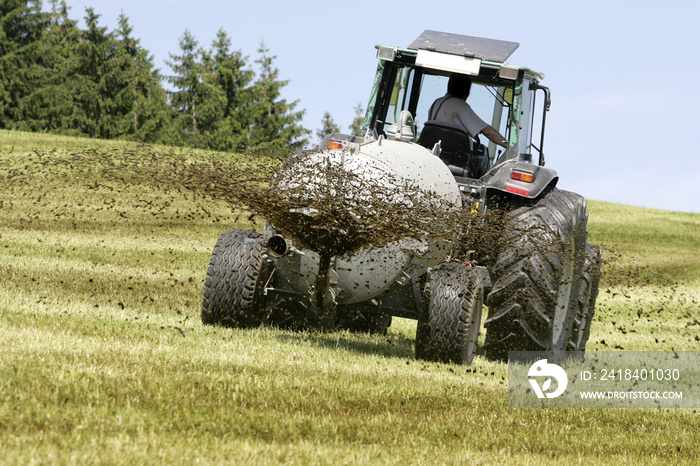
x=332, y=145
x=522, y=176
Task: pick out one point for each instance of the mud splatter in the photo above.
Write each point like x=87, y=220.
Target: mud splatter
x=324, y=216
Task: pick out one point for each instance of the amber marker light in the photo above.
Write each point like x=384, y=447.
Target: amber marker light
x=522, y=176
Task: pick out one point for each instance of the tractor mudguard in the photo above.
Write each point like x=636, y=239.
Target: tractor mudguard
x=520, y=178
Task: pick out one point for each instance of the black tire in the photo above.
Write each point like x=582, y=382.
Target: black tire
x=364, y=322
x=448, y=327
x=232, y=291
x=588, y=292
x=537, y=276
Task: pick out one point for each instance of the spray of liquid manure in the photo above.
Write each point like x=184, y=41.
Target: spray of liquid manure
x=326, y=207
x=322, y=206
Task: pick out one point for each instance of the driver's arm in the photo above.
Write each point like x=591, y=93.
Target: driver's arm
x=494, y=136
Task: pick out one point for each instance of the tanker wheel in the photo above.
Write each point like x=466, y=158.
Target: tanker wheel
x=364, y=322
x=232, y=292
x=448, y=327
x=585, y=305
x=537, y=276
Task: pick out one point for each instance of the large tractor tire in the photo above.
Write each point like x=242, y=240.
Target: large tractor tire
x=537, y=276
x=232, y=292
x=448, y=327
x=588, y=292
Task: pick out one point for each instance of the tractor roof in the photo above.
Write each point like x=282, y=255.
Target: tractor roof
x=466, y=46
x=458, y=53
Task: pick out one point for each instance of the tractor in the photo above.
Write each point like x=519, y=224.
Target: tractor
x=461, y=224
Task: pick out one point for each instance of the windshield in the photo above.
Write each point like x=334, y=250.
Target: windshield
x=486, y=101
x=415, y=90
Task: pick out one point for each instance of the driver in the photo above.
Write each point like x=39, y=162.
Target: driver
x=454, y=110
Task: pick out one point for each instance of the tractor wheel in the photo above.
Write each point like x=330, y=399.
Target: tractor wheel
x=585, y=305
x=448, y=328
x=537, y=276
x=364, y=322
x=232, y=288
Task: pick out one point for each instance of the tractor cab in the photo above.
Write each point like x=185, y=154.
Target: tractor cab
x=409, y=80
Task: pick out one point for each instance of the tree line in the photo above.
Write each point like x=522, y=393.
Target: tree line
x=56, y=77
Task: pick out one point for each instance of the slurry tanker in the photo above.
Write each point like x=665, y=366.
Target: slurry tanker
x=418, y=219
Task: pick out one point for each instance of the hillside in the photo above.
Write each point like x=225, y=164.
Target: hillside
x=103, y=357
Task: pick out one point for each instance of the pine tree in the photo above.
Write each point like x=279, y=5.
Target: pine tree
x=46, y=73
x=141, y=106
x=328, y=126
x=356, y=125
x=274, y=123
x=189, y=88
x=230, y=95
x=22, y=28
x=94, y=80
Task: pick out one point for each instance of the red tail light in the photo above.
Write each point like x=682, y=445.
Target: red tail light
x=525, y=177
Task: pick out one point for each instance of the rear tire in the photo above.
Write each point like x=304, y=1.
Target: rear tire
x=448, y=327
x=232, y=291
x=585, y=305
x=537, y=276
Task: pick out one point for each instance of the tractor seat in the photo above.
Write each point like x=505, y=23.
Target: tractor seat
x=455, y=142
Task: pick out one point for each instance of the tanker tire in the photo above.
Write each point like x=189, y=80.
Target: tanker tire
x=537, y=277
x=585, y=305
x=448, y=327
x=232, y=291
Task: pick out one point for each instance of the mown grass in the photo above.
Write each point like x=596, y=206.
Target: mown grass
x=103, y=358
x=659, y=241
x=649, y=298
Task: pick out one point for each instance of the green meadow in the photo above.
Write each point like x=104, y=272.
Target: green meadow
x=104, y=360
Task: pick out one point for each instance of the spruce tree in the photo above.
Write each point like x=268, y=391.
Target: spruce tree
x=356, y=125
x=94, y=80
x=274, y=123
x=328, y=126
x=140, y=101
x=189, y=89
x=230, y=96
x=47, y=75
x=22, y=28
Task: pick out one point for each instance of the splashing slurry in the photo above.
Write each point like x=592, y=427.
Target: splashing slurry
x=328, y=209
x=324, y=204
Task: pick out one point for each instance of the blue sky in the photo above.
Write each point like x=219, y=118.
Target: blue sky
x=623, y=74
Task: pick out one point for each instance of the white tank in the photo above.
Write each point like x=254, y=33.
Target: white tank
x=374, y=179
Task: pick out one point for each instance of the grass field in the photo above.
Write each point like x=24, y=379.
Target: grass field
x=103, y=358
